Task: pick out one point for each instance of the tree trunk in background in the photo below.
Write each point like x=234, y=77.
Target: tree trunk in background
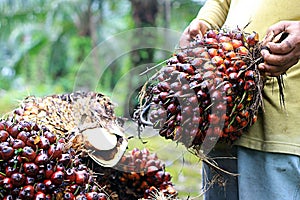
x=144, y=14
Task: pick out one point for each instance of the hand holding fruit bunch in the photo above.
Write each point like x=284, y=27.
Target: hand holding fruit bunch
x=279, y=57
x=210, y=90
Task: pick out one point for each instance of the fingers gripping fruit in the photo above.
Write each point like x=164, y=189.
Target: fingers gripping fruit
x=210, y=89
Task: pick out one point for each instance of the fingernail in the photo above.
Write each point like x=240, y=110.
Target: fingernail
x=261, y=67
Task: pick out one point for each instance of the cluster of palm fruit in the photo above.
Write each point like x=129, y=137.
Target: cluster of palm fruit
x=210, y=89
x=35, y=165
x=40, y=159
x=138, y=175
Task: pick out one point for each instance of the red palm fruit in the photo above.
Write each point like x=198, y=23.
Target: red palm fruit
x=50, y=136
x=239, y=63
x=44, y=143
x=233, y=76
x=92, y=196
x=7, y=183
x=57, y=177
x=201, y=95
x=211, y=42
x=15, y=192
x=217, y=60
x=23, y=135
x=181, y=57
x=224, y=38
x=68, y=196
x=212, y=34
x=197, y=62
x=227, y=63
x=252, y=39
x=2, y=125
x=31, y=142
x=236, y=43
x=3, y=135
x=41, y=187
x=40, y=196
x=81, y=177
x=163, y=86
x=172, y=108
x=65, y=159
x=17, y=144
x=2, y=176
x=249, y=85
x=102, y=196
x=212, y=52
x=249, y=75
x=15, y=161
x=188, y=68
x=17, y=179
x=27, y=192
x=29, y=180
x=41, y=159
x=176, y=86
x=40, y=174
x=230, y=55
x=55, y=150
x=205, y=55
x=30, y=169
x=242, y=50
x=49, y=185
x=9, y=170
x=49, y=171
x=163, y=95
x=60, y=167
x=7, y=152
x=70, y=175
x=227, y=46
x=221, y=53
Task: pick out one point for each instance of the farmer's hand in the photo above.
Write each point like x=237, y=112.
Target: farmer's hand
x=196, y=27
x=282, y=55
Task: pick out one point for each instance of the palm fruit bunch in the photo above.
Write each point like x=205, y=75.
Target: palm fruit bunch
x=34, y=164
x=138, y=175
x=84, y=139
x=86, y=119
x=211, y=89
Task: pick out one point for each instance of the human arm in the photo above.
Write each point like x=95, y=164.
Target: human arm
x=212, y=15
x=279, y=57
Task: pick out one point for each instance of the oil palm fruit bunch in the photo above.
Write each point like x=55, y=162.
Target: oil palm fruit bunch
x=211, y=89
x=139, y=174
x=35, y=165
x=85, y=119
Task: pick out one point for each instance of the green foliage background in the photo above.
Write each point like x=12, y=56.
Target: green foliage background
x=44, y=42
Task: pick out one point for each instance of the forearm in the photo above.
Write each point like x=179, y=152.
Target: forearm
x=213, y=14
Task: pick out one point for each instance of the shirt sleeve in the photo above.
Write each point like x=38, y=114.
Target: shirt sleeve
x=214, y=13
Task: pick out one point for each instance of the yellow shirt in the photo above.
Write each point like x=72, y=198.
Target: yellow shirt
x=277, y=130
